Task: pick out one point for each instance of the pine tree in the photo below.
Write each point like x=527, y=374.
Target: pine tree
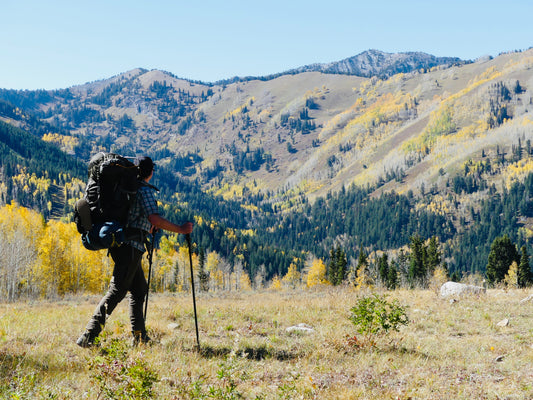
x=383, y=268
x=417, y=261
x=434, y=256
x=332, y=267
x=525, y=277
x=342, y=262
x=502, y=254
x=362, y=261
x=392, y=277
x=337, y=266
x=203, y=275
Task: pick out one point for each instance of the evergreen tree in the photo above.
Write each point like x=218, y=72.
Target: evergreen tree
x=392, y=277
x=517, y=88
x=362, y=261
x=342, y=262
x=331, y=271
x=203, y=275
x=455, y=276
x=383, y=269
x=434, y=256
x=525, y=277
x=502, y=254
x=336, y=270
x=417, y=261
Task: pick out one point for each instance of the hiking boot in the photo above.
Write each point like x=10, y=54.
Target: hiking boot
x=86, y=340
x=140, y=337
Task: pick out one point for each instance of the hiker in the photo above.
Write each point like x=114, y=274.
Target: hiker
x=127, y=272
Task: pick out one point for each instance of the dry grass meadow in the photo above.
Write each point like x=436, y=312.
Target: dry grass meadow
x=449, y=350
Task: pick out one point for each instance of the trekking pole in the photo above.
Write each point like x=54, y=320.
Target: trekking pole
x=188, y=238
x=150, y=245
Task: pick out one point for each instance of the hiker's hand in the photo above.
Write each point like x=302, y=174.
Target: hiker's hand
x=186, y=228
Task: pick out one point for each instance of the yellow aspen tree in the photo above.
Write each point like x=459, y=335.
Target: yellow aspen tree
x=98, y=269
x=245, y=282
x=212, y=265
x=184, y=262
x=317, y=273
x=56, y=272
x=163, y=264
x=276, y=283
x=292, y=278
x=363, y=280
x=439, y=278
x=511, y=278
x=21, y=230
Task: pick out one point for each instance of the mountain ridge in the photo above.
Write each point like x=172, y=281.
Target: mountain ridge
x=366, y=64
x=320, y=131
x=435, y=151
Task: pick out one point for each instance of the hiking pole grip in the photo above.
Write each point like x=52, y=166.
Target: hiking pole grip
x=188, y=239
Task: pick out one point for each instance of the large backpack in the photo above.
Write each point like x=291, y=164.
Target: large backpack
x=101, y=215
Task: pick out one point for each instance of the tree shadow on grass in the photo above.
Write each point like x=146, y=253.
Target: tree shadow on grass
x=257, y=353
x=12, y=363
x=9, y=363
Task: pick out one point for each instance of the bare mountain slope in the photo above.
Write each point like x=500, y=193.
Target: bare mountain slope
x=378, y=63
x=309, y=132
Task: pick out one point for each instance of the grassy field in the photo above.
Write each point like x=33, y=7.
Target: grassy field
x=449, y=350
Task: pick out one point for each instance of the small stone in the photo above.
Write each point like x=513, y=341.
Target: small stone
x=173, y=326
x=528, y=298
x=503, y=322
x=300, y=328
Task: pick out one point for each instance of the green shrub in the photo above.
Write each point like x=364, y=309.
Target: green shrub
x=120, y=375
x=374, y=316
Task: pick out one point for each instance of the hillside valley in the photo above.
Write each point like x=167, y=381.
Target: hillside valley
x=448, y=137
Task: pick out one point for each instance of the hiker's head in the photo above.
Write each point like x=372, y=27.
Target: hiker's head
x=145, y=165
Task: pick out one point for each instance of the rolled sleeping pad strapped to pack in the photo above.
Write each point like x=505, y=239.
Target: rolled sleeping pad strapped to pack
x=82, y=216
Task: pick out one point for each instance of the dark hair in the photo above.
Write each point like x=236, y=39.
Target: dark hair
x=145, y=166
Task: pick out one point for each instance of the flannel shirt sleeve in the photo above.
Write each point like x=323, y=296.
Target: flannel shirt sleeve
x=148, y=202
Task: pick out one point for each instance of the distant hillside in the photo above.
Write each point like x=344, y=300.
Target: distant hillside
x=380, y=64
x=370, y=63
x=444, y=135
x=307, y=133
x=34, y=173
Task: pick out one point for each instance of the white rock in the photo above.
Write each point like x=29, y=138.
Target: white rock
x=460, y=289
x=172, y=326
x=300, y=328
x=528, y=298
x=503, y=322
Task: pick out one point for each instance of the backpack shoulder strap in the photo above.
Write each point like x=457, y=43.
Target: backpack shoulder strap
x=143, y=183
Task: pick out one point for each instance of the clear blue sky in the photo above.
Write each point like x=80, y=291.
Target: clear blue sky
x=60, y=43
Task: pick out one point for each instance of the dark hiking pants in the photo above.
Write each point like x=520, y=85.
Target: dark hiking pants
x=127, y=276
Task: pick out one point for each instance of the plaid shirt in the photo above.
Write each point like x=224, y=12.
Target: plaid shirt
x=144, y=205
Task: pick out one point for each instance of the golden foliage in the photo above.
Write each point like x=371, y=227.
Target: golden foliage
x=65, y=266
x=363, y=279
x=66, y=143
x=243, y=108
x=440, y=123
x=276, y=283
x=245, y=282
x=317, y=273
x=292, y=278
x=511, y=277
x=516, y=172
x=439, y=278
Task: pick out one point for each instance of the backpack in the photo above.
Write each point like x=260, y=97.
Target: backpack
x=101, y=215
